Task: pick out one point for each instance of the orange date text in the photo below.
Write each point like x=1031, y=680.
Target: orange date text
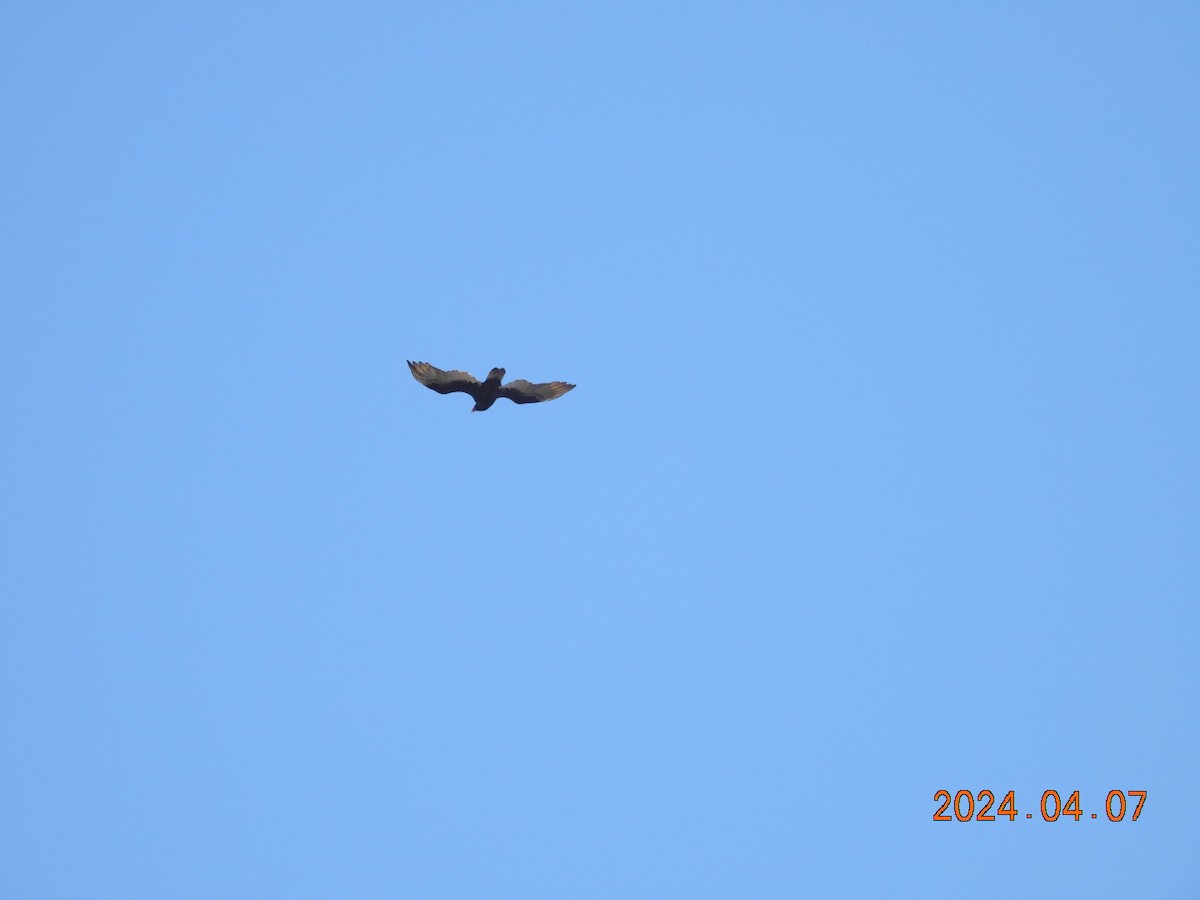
x=965, y=806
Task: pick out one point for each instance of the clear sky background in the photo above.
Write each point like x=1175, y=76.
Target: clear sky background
x=880, y=477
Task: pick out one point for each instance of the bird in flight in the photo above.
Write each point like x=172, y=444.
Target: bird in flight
x=485, y=393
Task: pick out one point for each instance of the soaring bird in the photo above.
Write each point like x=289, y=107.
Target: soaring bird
x=485, y=393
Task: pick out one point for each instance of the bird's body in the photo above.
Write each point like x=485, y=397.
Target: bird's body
x=486, y=392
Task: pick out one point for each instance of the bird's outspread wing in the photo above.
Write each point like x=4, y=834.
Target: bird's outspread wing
x=442, y=381
x=522, y=391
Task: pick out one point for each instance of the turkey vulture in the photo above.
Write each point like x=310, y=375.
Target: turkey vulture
x=485, y=393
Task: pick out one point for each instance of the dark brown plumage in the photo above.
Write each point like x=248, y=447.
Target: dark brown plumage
x=485, y=393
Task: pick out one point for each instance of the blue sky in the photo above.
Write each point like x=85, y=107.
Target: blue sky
x=880, y=477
